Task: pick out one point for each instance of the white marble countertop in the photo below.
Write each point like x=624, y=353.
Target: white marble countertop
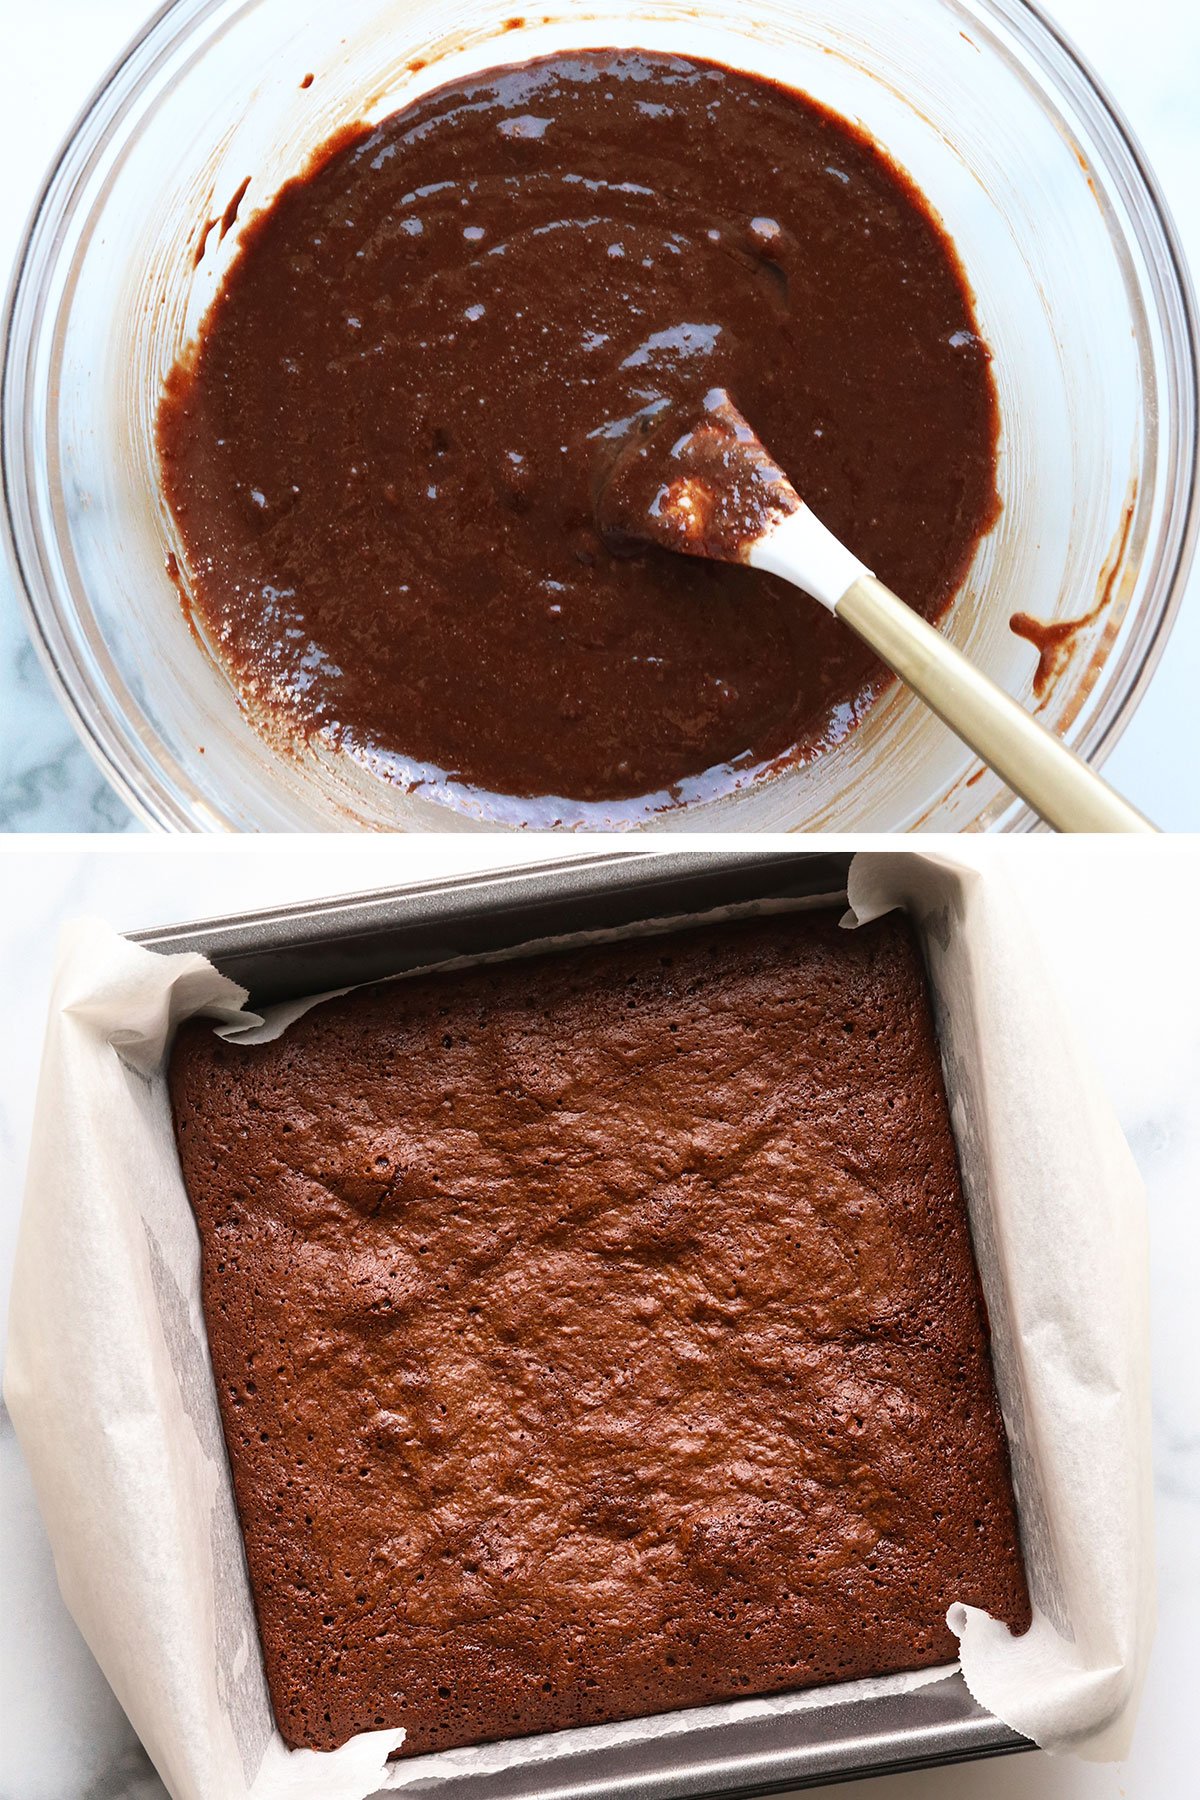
x=56, y=51
x=1128, y=966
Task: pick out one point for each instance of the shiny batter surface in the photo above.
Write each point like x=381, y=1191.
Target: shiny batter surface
x=598, y=1334
x=383, y=454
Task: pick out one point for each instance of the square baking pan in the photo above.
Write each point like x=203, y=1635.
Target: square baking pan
x=290, y=951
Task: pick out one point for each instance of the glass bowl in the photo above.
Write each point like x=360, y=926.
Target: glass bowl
x=1081, y=293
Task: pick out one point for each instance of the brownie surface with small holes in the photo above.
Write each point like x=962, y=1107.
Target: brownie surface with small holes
x=598, y=1334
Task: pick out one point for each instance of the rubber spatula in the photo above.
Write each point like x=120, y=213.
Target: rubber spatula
x=706, y=486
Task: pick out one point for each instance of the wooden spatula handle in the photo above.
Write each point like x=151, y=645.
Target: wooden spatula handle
x=1028, y=758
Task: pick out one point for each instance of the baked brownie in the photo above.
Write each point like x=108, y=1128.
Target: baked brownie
x=598, y=1334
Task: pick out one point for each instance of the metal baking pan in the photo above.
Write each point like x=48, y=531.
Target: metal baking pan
x=293, y=950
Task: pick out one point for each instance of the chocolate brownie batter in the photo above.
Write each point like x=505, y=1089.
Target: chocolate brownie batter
x=383, y=453
x=598, y=1334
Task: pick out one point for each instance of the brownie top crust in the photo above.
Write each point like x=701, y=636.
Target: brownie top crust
x=598, y=1333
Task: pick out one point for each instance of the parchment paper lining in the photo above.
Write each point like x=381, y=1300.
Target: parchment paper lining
x=111, y=1388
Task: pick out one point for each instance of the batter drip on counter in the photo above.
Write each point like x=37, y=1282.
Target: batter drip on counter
x=383, y=452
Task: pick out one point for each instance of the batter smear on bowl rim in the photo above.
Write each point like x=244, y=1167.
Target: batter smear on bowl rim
x=383, y=452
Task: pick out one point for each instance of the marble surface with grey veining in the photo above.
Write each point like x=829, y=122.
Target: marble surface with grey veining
x=55, y=51
x=1115, y=925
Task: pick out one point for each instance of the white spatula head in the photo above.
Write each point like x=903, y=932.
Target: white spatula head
x=693, y=479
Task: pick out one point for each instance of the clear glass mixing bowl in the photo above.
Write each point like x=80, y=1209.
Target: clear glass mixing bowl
x=1081, y=292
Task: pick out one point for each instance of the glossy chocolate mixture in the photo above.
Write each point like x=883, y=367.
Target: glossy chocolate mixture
x=384, y=453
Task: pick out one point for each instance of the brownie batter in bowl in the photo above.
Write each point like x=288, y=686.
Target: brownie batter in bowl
x=384, y=451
